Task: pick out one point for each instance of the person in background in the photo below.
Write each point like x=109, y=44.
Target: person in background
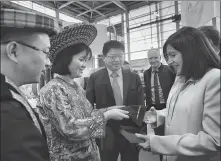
x=24, y=50
x=158, y=80
x=112, y=86
x=70, y=122
x=192, y=115
x=213, y=35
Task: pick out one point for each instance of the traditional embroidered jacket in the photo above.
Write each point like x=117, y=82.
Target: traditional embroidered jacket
x=70, y=122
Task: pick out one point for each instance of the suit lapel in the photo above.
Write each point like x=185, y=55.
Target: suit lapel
x=17, y=95
x=149, y=76
x=161, y=74
x=106, y=81
x=126, y=82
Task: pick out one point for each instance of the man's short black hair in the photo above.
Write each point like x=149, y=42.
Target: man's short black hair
x=64, y=58
x=112, y=44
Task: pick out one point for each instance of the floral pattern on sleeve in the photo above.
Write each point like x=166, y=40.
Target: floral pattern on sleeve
x=70, y=121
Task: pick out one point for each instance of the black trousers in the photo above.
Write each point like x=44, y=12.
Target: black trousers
x=114, y=144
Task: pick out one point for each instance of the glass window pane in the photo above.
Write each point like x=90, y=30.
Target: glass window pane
x=115, y=19
x=138, y=55
x=139, y=21
x=169, y=26
x=167, y=34
x=154, y=29
x=138, y=46
x=167, y=3
x=179, y=6
x=136, y=34
x=153, y=7
x=126, y=57
x=167, y=12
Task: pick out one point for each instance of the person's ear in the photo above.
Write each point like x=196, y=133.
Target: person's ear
x=12, y=51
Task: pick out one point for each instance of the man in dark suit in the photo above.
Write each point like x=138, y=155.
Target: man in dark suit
x=112, y=86
x=23, y=57
x=158, y=80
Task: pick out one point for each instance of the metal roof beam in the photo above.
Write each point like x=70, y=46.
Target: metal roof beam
x=66, y=4
x=88, y=7
x=84, y=5
x=107, y=3
x=100, y=13
x=83, y=13
x=120, y=4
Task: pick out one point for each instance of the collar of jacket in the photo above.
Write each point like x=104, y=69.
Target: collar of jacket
x=9, y=91
x=158, y=68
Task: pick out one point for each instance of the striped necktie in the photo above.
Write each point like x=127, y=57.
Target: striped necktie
x=116, y=89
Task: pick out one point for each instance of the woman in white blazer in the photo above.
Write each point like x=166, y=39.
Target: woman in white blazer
x=192, y=116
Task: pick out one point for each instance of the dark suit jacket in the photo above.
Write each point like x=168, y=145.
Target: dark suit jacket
x=99, y=91
x=166, y=79
x=21, y=140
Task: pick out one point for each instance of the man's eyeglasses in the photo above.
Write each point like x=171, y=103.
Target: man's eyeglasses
x=114, y=57
x=32, y=47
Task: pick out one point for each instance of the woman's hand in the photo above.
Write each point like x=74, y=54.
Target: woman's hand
x=146, y=144
x=116, y=114
x=151, y=116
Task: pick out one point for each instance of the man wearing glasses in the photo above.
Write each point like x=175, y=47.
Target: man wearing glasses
x=24, y=48
x=112, y=86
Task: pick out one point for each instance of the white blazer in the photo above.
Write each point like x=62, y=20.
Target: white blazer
x=193, y=131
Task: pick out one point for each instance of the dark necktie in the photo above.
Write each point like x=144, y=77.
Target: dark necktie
x=156, y=89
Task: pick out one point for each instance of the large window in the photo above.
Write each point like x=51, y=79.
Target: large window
x=144, y=38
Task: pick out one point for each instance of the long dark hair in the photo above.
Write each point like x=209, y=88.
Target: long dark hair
x=197, y=53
